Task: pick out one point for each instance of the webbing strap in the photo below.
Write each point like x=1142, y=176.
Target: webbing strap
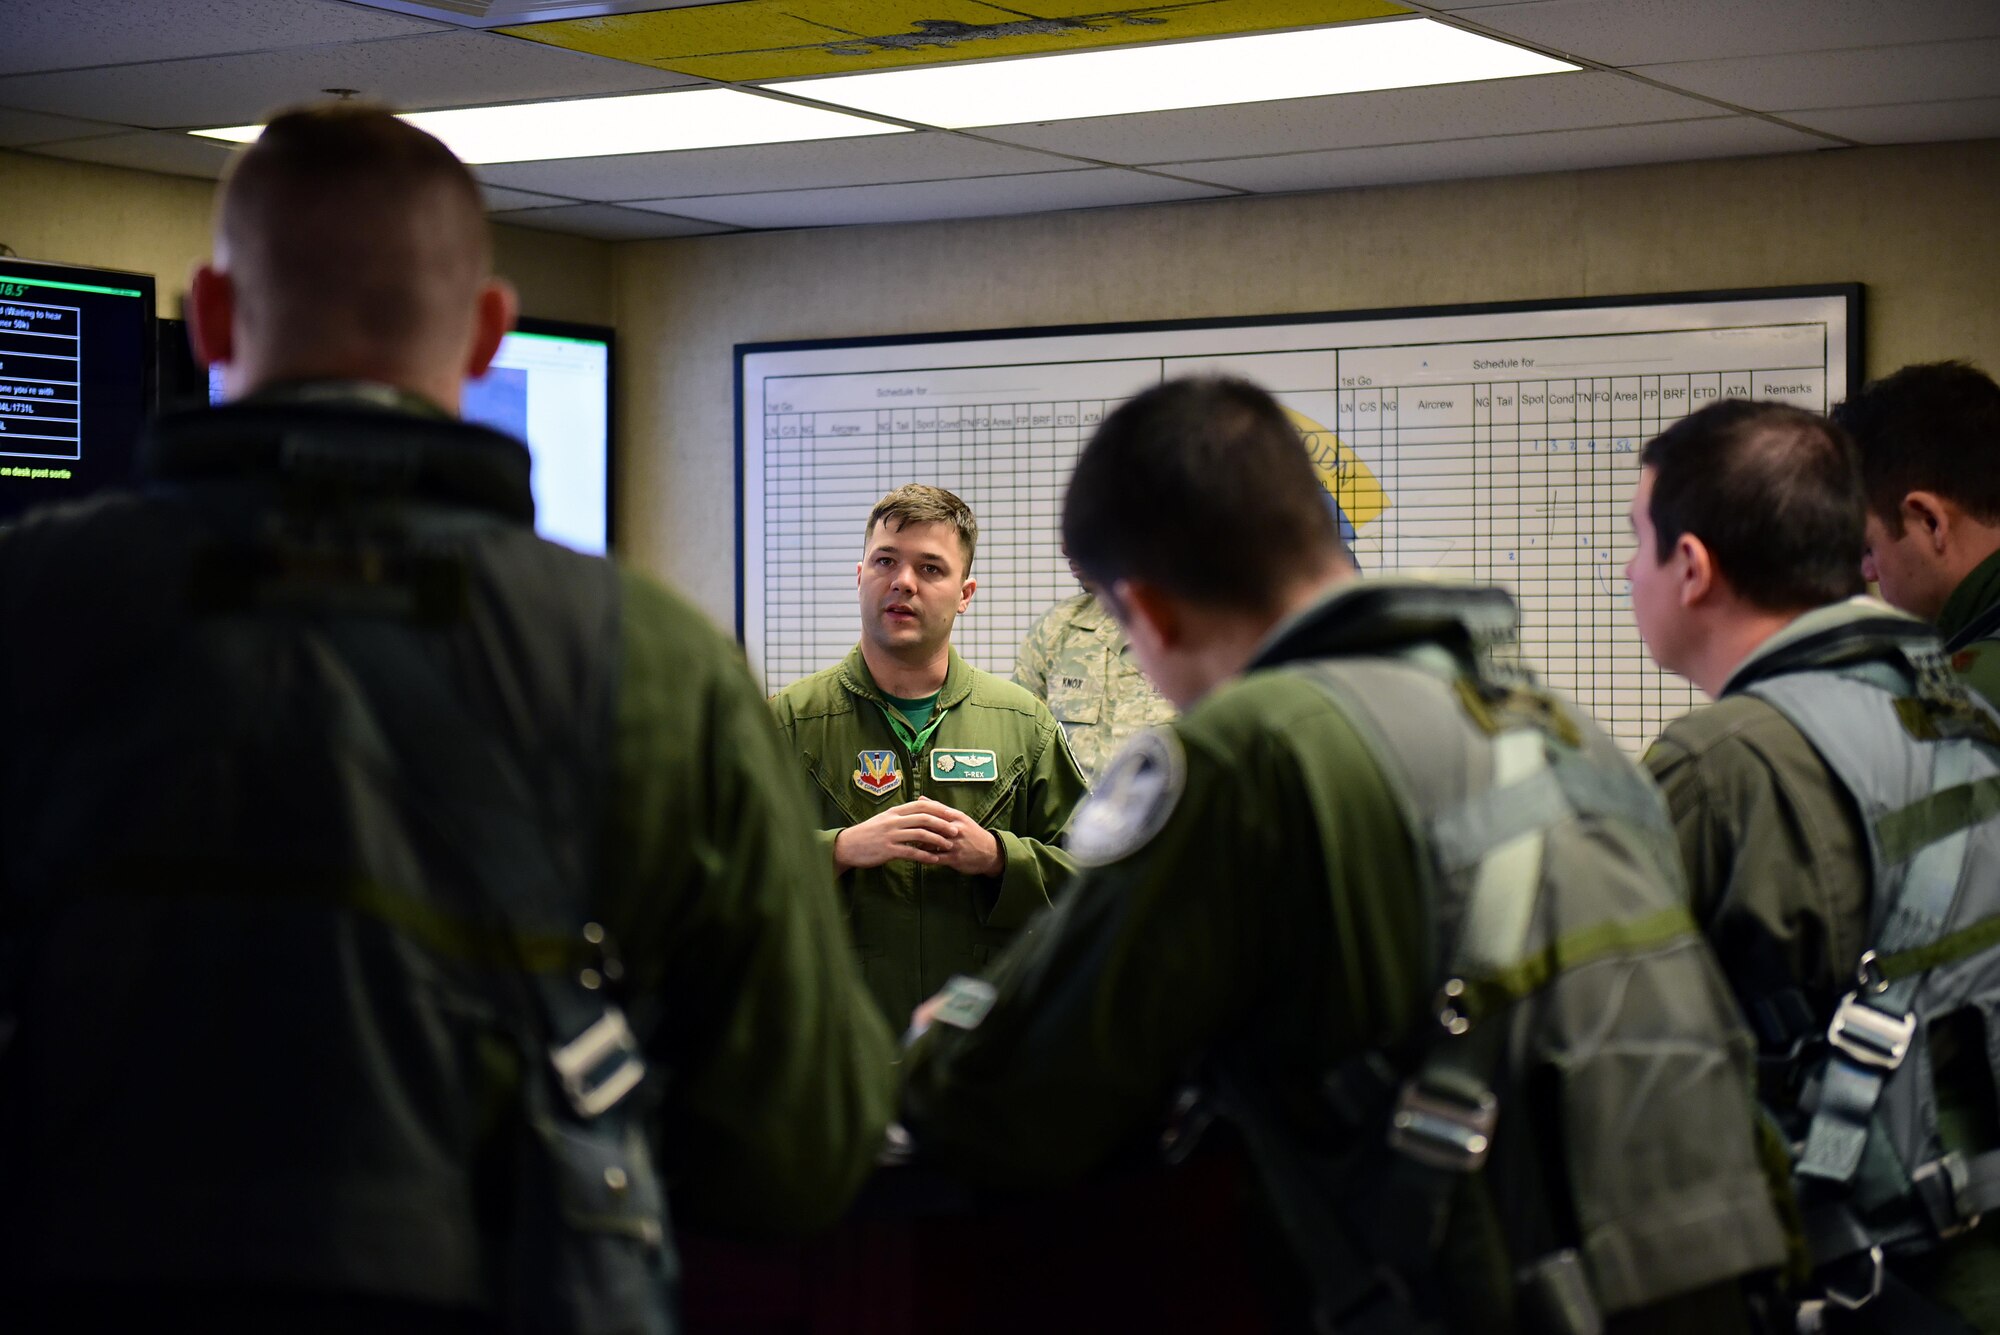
x=1500, y=905
x=1573, y=950
x=1986, y=624
x=1861, y=1064
x=1944, y=812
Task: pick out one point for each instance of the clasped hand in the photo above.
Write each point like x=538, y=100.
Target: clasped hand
x=925, y=831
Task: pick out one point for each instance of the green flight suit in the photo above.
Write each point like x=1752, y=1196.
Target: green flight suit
x=1969, y=625
x=1779, y=872
x=1076, y=660
x=1276, y=918
x=915, y=926
x=288, y=1060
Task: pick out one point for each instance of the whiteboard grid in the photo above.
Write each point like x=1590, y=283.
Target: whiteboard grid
x=1522, y=480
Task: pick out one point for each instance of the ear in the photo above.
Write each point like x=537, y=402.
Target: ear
x=1930, y=514
x=1699, y=579
x=212, y=316
x=1152, y=617
x=492, y=318
x=965, y=592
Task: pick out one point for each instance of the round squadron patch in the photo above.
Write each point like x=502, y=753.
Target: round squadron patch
x=1136, y=794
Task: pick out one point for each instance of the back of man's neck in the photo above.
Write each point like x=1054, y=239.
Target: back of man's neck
x=907, y=680
x=1736, y=644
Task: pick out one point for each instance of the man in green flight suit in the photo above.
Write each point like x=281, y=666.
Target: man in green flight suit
x=942, y=789
x=1257, y=910
x=389, y=888
x=1745, y=575
x=1929, y=437
x=1076, y=660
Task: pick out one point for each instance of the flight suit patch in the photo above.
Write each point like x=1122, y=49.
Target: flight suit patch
x=1133, y=799
x=879, y=774
x=960, y=766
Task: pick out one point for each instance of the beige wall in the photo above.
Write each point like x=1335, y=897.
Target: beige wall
x=81, y=213
x=1914, y=224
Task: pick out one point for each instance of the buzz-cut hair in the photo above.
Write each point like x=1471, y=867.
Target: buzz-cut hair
x=917, y=503
x=1202, y=487
x=1933, y=427
x=1773, y=492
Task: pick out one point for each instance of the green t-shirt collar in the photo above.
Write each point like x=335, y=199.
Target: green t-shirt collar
x=957, y=686
x=1975, y=593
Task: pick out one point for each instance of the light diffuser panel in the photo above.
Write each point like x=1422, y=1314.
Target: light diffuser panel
x=1263, y=67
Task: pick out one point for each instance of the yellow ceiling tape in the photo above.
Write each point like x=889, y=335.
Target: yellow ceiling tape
x=757, y=40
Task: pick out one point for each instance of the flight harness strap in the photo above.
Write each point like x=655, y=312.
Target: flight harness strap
x=1370, y=1252
x=1872, y=1027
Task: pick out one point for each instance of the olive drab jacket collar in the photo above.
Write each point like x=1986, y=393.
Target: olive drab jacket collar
x=337, y=444
x=855, y=676
x=1977, y=595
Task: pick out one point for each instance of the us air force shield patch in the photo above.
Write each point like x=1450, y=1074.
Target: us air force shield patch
x=1133, y=799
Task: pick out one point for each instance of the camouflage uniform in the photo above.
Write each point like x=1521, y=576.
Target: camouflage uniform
x=1077, y=661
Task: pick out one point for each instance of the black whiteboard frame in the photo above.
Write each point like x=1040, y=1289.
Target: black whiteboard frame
x=1853, y=293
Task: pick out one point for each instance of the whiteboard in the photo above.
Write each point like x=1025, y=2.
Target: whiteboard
x=1496, y=443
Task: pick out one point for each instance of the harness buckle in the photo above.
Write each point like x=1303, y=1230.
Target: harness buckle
x=1443, y=1130
x=1869, y=1037
x=1939, y=1185
x=1854, y=1301
x=600, y=1066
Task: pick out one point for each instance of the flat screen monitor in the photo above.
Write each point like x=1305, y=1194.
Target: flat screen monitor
x=551, y=387
x=76, y=380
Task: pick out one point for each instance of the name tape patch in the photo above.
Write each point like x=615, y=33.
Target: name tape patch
x=961, y=766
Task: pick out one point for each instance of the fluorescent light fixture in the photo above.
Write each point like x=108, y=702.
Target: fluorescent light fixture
x=593, y=127
x=1262, y=67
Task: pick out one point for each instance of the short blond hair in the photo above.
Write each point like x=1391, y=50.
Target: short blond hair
x=916, y=503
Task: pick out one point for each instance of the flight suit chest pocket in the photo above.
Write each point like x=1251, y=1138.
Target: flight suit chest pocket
x=1076, y=691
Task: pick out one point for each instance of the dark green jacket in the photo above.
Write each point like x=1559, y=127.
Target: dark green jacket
x=1276, y=919
x=1778, y=868
x=257, y=972
x=1969, y=625
x=916, y=926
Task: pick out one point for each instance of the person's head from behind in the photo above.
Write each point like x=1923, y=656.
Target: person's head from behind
x=915, y=574
x=350, y=245
x=1195, y=514
x=1745, y=515
x=1929, y=438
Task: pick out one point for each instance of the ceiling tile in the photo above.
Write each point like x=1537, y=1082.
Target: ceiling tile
x=1925, y=72
x=1631, y=32
x=446, y=69
x=871, y=160
x=147, y=150
x=607, y=222
x=921, y=201
x=1909, y=123
x=76, y=34
x=1352, y=120
x=31, y=127
x=1563, y=150
x=498, y=199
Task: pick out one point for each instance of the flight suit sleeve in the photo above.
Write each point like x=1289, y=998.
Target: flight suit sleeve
x=776, y=1065
x=1101, y=1009
x=1775, y=857
x=1036, y=869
